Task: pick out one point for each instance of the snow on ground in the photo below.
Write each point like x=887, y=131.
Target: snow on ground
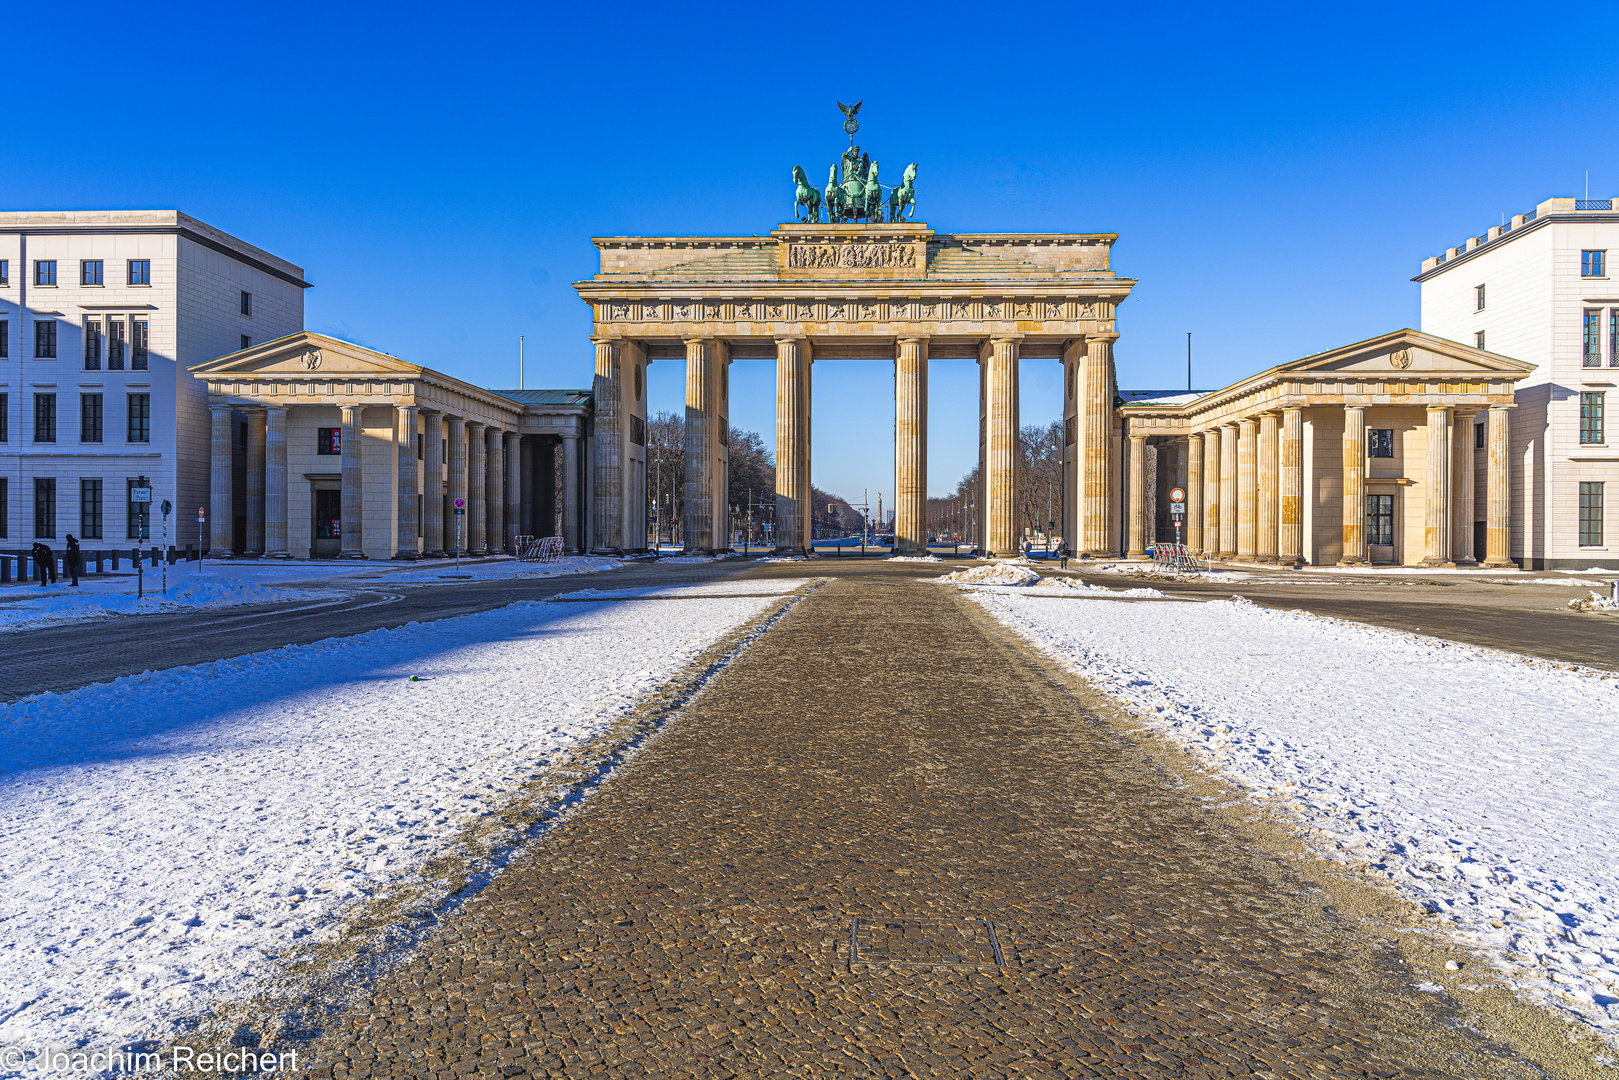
x=164, y=836
x=996, y=573
x=1146, y=569
x=1483, y=785
x=1595, y=602
x=30, y=607
x=914, y=558
x=1067, y=586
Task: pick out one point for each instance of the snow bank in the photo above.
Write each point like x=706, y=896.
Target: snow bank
x=164, y=837
x=914, y=558
x=1595, y=602
x=1482, y=785
x=102, y=599
x=1069, y=585
x=1000, y=573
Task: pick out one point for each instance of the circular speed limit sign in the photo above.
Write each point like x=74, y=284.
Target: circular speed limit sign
x=1177, y=495
x=460, y=504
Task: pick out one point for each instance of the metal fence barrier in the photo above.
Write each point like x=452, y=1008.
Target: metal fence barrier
x=539, y=548
x=1178, y=557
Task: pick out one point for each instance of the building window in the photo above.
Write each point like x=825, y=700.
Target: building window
x=1613, y=337
x=1591, y=419
x=1590, y=513
x=1380, y=520
x=1478, y=339
x=90, y=272
x=90, y=509
x=140, y=271
x=140, y=418
x=138, y=517
x=92, y=344
x=1478, y=298
x=115, y=344
x=44, y=271
x=421, y=445
x=45, y=339
x=1478, y=436
x=247, y=303
x=5, y=508
x=1593, y=263
x=45, y=506
x=1380, y=442
x=637, y=431
x=247, y=342
x=329, y=441
x=5, y=279
x=44, y=417
x=5, y=417
x=5, y=339
x=90, y=418
x=139, y=337
x=1593, y=337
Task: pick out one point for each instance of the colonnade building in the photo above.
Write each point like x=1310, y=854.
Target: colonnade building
x=332, y=449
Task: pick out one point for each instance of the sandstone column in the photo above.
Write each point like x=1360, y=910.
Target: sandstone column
x=1290, y=533
x=255, y=481
x=792, y=446
x=911, y=447
x=494, y=486
x=1461, y=488
x=1230, y=511
x=1247, y=489
x=433, y=486
x=1211, y=492
x=275, y=483
x=514, y=489
x=1000, y=492
x=456, y=433
x=703, y=520
x=405, y=448
x=1096, y=455
x=221, y=512
x=1497, y=489
x=1436, y=500
x=570, y=492
x=477, y=508
x=1137, y=548
x=353, y=495
x=530, y=507
x=1267, y=487
x=608, y=473
x=1194, y=490
x=1354, y=499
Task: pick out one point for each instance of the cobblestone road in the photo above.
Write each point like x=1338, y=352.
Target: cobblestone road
x=886, y=754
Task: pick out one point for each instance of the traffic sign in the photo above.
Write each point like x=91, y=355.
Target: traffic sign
x=1176, y=495
x=140, y=494
x=460, y=504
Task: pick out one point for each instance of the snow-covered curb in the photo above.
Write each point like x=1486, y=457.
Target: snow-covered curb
x=1480, y=784
x=103, y=599
x=166, y=838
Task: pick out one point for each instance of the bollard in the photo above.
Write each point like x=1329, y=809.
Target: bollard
x=191, y=553
x=172, y=555
x=154, y=558
x=22, y=566
x=5, y=569
x=1616, y=592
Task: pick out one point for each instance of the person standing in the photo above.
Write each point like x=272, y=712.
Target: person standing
x=44, y=563
x=70, y=562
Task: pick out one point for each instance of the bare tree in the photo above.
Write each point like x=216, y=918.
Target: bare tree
x=1039, y=477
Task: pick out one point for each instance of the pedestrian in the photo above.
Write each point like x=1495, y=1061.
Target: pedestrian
x=44, y=563
x=70, y=562
x=1062, y=552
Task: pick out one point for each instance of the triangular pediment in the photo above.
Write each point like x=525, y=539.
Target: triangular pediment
x=1406, y=352
x=306, y=354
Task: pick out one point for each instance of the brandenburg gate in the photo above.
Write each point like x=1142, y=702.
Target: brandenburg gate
x=894, y=291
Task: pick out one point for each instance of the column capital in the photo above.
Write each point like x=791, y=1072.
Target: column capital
x=1137, y=438
x=569, y=435
x=1496, y=406
x=912, y=337
x=1439, y=408
x=1247, y=422
x=217, y=407
x=1109, y=338
x=1009, y=339
x=1354, y=408
x=780, y=339
x=606, y=339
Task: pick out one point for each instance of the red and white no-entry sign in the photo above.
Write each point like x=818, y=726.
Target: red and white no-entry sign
x=1177, y=495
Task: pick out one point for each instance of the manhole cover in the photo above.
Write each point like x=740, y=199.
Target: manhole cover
x=924, y=943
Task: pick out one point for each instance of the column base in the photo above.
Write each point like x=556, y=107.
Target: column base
x=278, y=554
x=353, y=555
x=787, y=551
x=1437, y=564
x=1466, y=564
x=1354, y=562
x=407, y=555
x=1499, y=564
x=1142, y=554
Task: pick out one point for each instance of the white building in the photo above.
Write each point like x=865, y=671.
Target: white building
x=101, y=315
x=1539, y=289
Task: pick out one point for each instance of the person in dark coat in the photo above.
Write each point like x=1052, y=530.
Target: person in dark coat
x=70, y=562
x=44, y=563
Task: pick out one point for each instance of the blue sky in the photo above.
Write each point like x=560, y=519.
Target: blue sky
x=1276, y=174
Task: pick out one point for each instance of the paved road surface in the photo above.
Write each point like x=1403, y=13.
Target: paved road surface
x=888, y=755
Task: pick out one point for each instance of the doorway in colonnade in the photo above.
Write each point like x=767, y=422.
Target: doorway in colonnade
x=852, y=456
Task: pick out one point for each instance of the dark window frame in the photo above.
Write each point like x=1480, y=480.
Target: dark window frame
x=1592, y=427
x=5, y=416
x=5, y=272
x=140, y=340
x=1613, y=337
x=1478, y=297
x=1591, y=339
x=1479, y=437
x=329, y=441
x=91, y=271
x=45, y=418
x=91, y=417
x=5, y=507
x=90, y=508
x=1594, y=263
x=45, y=273
x=1380, y=524
x=138, y=272
x=44, y=339
x=1478, y=339
x=5, y=339
x=92, y=343
x=138, y=417
x=137, y=516
x=247, y=343
x=116, y=343
x=1591, y=524
x=247, y=304
x=1380, y=442
x=45, y=507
